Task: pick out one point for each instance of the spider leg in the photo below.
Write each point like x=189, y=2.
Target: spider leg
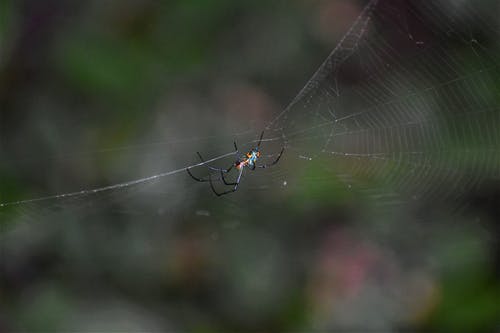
x=236, y=184
x=275, y=161
x=224, y=178
x=222, y=171
x=194, y=177
x=260, y=139
x=210, y=168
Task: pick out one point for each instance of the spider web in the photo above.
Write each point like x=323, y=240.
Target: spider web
x=404, y=111
x=404, y=107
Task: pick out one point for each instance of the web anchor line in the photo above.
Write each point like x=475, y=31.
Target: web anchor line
x=329, y=64
x=112, y=187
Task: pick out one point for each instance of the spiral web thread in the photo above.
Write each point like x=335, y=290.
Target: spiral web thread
x=407, y=103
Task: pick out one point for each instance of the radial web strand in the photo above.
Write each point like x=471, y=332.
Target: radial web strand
x=406, y=106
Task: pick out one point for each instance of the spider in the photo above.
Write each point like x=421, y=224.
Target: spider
x=242, y=160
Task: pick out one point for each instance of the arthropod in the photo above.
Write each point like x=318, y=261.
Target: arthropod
x=248, y=160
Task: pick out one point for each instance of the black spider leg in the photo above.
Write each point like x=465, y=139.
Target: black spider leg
x=194, y=177
x=260, y=139
x=222, y=171
x=236, y=184
x=209, y=167
x=275, y=161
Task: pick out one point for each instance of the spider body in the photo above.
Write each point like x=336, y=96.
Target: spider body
x=248, y=160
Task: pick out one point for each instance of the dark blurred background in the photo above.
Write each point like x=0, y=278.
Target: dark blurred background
x=96, y=93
